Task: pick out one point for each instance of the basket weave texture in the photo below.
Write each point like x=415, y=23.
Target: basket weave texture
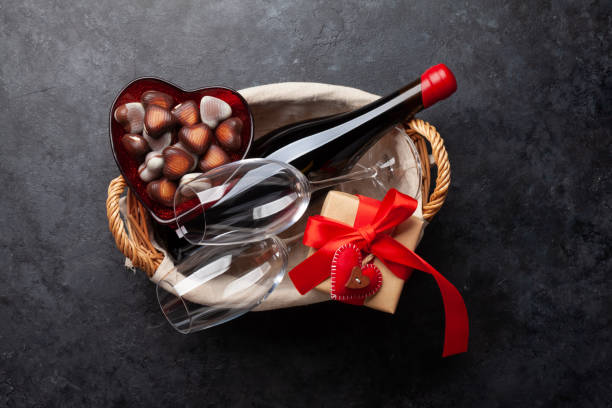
x=132, y=236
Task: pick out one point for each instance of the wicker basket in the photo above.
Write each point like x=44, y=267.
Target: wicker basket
x=132, y=236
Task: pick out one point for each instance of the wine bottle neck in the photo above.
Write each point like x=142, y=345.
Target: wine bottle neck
x=296, y=149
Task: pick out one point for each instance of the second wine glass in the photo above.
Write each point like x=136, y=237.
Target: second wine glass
x=219, y=283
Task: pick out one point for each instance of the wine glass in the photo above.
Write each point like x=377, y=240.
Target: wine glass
x=221, y=282
x=247, y=199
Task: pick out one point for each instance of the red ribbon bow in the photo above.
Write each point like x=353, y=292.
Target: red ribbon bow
x=327, y=235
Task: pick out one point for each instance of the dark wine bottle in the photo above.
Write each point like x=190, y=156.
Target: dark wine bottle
x=329, y=146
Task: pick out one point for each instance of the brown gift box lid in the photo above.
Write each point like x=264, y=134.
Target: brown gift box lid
x=342, y=207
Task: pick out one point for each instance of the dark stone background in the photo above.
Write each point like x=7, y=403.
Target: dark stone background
x=525, y=234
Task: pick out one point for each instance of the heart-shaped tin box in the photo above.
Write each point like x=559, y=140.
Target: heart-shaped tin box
x=129, y=165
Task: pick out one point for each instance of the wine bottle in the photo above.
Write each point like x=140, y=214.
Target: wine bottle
x=329, y=146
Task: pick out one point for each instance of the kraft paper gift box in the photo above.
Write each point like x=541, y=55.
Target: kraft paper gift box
x=343, y=207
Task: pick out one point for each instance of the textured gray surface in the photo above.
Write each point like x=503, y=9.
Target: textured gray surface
x=525, y=234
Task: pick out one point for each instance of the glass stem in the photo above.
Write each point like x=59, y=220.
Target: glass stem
x=363, y=174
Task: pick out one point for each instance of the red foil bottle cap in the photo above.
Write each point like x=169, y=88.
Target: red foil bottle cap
x=437, y=83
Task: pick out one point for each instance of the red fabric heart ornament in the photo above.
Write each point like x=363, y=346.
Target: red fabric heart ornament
x=350, y=281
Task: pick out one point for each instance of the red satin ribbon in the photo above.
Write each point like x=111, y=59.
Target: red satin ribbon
x=370, y=233
x=366, y=211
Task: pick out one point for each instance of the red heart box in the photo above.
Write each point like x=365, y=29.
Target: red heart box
x=128, y=166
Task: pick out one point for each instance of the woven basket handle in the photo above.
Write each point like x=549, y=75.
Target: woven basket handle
x=138, y=249
x=433, y=202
